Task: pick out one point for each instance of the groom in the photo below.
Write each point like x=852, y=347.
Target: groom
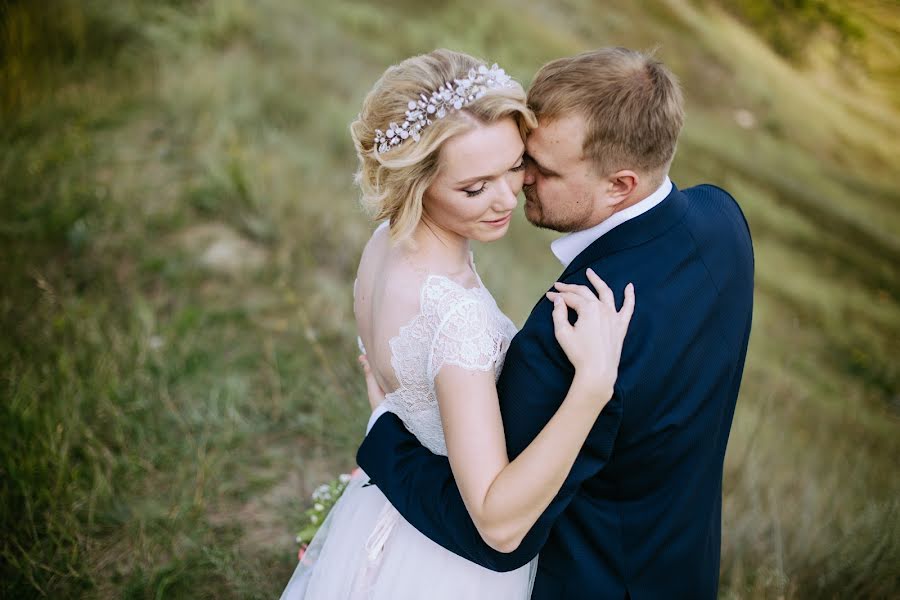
x=639, y=515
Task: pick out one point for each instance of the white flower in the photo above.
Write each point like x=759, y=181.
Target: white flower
x=442, y=100
x=314, y=519
x=319, y=507
x=344, y=478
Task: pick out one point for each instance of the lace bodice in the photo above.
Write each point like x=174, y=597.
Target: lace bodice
x=455, y=326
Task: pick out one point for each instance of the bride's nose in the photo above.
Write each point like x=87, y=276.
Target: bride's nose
x=509, y=193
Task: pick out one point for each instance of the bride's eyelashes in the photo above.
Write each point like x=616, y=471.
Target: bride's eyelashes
x=473, y=193
x=515, y=169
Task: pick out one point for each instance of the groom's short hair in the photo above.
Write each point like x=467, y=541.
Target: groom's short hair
x=631, y=102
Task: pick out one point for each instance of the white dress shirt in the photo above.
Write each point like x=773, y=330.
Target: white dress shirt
x=571, y=245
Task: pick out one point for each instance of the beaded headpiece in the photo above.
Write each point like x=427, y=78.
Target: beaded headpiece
x=421, y=112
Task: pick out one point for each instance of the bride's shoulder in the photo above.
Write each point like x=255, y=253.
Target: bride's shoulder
x=406, y=278
x=378, y=243
x=418, y=286
x=375, y=255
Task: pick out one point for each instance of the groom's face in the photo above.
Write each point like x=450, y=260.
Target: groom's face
x=562, y=191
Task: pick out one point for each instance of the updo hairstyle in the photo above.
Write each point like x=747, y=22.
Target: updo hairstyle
x=394, y=182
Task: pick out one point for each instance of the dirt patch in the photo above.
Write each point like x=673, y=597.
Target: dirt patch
x=221, y=249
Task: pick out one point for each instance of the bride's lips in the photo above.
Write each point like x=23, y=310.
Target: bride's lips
x=500, y=222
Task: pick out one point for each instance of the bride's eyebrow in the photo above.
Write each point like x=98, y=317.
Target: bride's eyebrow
x=472, y=180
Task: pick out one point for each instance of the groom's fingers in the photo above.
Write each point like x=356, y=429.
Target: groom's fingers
x=603, y=292
x=373, y=390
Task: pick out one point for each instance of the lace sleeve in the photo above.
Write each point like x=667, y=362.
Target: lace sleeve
x=466, y=333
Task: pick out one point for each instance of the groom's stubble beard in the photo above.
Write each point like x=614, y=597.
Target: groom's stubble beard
x=537, y=214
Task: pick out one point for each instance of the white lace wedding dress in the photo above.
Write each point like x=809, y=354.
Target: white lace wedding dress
x=365, y=549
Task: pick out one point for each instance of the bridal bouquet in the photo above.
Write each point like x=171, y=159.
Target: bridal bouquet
x=324, y=498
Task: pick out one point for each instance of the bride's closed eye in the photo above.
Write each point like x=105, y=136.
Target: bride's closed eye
x=473, y=193
x=519, y=167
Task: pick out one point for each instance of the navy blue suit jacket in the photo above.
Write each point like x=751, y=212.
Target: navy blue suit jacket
x=639, y=515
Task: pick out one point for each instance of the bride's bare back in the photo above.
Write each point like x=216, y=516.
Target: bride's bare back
x=387, y=297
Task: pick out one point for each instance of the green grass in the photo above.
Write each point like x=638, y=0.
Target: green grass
x=179, y=235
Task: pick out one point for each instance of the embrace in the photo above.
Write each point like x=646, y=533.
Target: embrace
x=580, y=456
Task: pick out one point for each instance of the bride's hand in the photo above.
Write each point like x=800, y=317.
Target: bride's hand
x=374, y=391
x=594, y=343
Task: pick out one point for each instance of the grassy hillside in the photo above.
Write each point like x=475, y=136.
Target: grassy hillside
x=179, y=234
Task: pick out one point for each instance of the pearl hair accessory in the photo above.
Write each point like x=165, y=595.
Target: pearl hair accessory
x=448, y=97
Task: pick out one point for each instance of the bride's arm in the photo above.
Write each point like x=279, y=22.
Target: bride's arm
x=506, y=498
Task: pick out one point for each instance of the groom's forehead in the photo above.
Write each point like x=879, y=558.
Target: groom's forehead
x=556, y=141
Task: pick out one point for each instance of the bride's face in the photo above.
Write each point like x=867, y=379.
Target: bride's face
x=478, y=182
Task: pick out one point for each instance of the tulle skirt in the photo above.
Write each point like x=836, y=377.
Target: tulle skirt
x=366, y=550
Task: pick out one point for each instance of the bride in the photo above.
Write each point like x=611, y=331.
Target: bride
x=440, y=141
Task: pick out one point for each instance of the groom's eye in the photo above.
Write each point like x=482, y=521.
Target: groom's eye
x=544, y=172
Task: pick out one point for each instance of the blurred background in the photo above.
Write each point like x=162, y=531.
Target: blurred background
x=179, y=234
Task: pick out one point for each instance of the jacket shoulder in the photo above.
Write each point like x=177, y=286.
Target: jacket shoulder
x=710, y=188
x=711, y=192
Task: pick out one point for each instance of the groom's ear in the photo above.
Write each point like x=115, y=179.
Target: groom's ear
x=621, y=185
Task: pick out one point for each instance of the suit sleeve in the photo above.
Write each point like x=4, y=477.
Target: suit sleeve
x=420, y=484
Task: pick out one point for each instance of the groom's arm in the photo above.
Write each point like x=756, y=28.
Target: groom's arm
x=421, y=486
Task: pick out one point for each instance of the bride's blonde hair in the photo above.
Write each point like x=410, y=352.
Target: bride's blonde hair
x=393, y=182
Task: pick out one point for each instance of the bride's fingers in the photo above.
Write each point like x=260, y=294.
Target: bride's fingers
x=603, y=291
x=627, y=309
x=581, y=290
x=561, y=324
x=571, y=299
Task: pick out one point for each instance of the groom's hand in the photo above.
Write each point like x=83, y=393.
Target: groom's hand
x=374, y=391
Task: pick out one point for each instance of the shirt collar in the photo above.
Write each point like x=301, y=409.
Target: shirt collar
x=571, y=245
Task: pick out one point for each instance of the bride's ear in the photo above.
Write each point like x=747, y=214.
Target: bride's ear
x=621, y=185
